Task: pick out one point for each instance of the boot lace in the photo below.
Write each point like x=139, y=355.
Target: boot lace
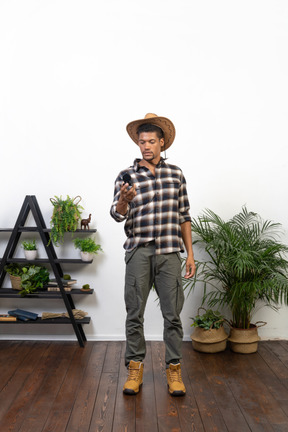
x=133, y=374
x=175, y=375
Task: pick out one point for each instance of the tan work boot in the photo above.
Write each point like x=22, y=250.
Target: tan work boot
x=135, y=378
x=176, y=386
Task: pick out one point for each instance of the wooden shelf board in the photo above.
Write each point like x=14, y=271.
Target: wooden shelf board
x=46, y=260
x=10, y=293
x=35, y=229
x=85, y=320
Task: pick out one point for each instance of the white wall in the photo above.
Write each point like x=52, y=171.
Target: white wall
x=74, y=73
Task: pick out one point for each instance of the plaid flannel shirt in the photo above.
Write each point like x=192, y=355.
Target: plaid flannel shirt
x=158, y=210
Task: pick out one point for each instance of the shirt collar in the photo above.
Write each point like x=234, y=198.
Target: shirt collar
x=137, y=167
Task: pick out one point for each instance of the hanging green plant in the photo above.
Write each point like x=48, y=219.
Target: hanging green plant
x=65, y=217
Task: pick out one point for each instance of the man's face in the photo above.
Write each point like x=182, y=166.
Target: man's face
x=150, y=146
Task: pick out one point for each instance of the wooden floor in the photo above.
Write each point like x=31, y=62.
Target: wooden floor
x=58, y=387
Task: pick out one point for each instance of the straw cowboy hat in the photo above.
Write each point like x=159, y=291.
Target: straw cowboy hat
x=164, y=123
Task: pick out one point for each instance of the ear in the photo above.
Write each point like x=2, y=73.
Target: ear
x=162, y=142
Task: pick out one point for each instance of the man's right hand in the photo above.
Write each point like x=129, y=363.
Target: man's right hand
x=126, y=196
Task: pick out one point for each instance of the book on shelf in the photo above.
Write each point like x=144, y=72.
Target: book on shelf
x=7, y=317
x=56, y=288
x=23, y=315
x=65, y=282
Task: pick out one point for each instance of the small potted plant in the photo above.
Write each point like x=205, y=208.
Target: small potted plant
x=65, y=217
x=15, y=272
x=209, y=335
x=30, y=249
x=28, y=278
x=33, y=277
x=88, y=248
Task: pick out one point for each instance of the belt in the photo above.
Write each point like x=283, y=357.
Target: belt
x=149, y=243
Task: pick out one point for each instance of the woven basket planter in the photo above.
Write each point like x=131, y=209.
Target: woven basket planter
x=244, y=341
x=209, y=341
x=16, y=282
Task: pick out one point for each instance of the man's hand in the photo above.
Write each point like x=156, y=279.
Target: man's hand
x=126, y=196
x=190, y=268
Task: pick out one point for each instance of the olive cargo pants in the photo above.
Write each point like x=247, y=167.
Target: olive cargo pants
x=143, y=268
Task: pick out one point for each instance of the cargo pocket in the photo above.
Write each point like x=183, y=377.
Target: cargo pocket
x=130, y=295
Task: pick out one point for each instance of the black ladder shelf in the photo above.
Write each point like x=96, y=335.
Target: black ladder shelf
x=30, y=204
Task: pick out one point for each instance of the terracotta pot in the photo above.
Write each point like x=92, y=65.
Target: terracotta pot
x=209, y=341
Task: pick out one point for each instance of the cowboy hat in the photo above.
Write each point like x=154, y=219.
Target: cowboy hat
x=164, y=123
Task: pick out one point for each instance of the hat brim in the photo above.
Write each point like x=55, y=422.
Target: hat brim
x=164, y=123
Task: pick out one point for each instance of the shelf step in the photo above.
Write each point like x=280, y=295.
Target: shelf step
x=10, y=293
x=85, y=320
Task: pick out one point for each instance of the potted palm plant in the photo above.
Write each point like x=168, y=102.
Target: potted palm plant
x=209, y=335
x=244, y=267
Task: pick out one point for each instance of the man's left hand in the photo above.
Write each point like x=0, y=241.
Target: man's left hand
x=190, y=268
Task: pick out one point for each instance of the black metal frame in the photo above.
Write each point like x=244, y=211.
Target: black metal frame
x=30, y=204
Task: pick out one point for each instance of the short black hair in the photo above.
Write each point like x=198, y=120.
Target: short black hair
x=148, y=127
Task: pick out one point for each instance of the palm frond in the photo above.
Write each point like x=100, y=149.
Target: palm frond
x=245, y=263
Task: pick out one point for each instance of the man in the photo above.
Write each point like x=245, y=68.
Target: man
x=151, y=197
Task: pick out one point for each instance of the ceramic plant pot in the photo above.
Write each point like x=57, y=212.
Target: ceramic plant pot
x=30, y=255
x=86, y=256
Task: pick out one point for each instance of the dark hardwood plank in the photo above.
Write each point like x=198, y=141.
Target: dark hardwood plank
x=39, y=411
x=227, y=404
x=166, y=406
x=86, y=395
x=19, y=377
x=261, y=410
x=190, y=419
x=60, y=387
x=125, y=411
x=113, y=357
x=146, y=419
x=210, y=413
x=36, y=369
x=67, y=394
x=12, y=355
x=103, y=413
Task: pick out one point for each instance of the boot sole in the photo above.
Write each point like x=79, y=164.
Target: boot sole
x=131, y=392
x=176, y=393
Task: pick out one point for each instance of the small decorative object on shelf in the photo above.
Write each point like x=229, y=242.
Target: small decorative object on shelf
x=88, y=248
x=30, y=249
x=85, y=222
x=65, y=217
x=86, y=288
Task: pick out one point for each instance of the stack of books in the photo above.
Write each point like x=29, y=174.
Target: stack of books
x=23, y=315
x=67, y=283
